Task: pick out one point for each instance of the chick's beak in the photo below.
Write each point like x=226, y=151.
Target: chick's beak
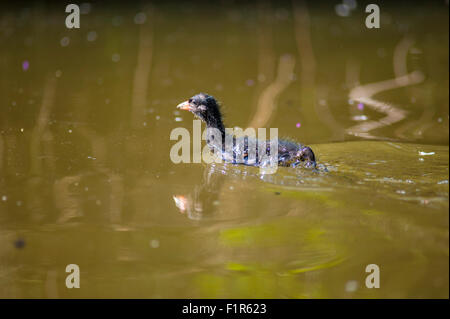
x=185, y=106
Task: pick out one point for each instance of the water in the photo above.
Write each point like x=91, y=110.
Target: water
x=86, y=176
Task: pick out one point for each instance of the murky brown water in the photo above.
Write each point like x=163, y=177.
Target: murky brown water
x=86, y=178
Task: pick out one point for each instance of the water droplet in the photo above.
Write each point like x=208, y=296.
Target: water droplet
x=359, y=118
x=154, y=243
x=281, y=14
x=351, y=286
x=28, y=41
x=381, y=52
x=115, y=57
x=117, y=21
x=64, y=41
x=85, y=8
x=350, y=3
x=4, y=198
x=19, y=243
x=25, y=65
x=342, y=10
x=425, y=153
x=140, y=18
x=92, y=36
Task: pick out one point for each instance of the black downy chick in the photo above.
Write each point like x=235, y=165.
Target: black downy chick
x=206, y=108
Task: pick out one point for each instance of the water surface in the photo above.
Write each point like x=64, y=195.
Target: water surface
x=86, y=177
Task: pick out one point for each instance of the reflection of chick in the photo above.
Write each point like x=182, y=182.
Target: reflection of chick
x=185, y=205
x=206, y=108
x=203, y=202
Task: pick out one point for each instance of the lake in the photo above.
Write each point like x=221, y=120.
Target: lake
x=86, y=177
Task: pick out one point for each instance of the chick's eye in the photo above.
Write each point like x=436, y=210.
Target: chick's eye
x=190, y=100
